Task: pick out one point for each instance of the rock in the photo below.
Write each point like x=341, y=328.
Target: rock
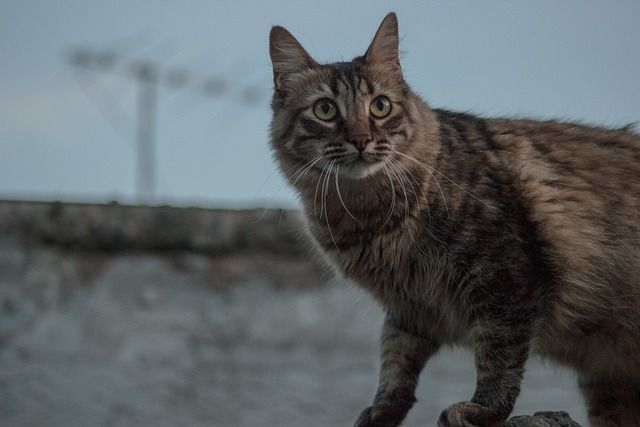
x=542, y=419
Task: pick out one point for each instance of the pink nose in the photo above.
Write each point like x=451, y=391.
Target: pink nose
x=360, y=140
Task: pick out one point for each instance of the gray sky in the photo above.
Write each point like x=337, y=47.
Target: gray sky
x=70, y=135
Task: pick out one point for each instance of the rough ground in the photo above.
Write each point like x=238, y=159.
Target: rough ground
x=196, y=337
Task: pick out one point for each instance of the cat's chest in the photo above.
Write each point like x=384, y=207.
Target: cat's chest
x=394, y=266
x=405, y=272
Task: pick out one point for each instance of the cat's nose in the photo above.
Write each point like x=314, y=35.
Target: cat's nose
x=360, y=140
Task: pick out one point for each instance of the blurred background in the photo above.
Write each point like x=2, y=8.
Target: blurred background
x=123, y=314
x=73, y=73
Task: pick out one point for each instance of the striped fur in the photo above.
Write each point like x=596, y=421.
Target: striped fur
x=509, y=236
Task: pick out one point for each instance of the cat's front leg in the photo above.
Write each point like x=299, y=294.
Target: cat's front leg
x=404, y=354
x=500, y=353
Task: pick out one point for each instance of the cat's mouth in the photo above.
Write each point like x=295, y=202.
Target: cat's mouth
x=353, y=163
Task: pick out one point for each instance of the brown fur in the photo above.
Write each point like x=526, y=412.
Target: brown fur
x=510, y=236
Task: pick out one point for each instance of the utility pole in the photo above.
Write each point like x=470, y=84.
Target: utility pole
x=147, y=91
x=148, y=77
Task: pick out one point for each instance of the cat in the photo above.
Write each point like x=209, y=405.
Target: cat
x=508, y=236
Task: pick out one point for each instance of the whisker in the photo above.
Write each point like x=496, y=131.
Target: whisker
x=392, y=168
x=401, y=180
x=284, y=184
x=393, y=199
x=401, y=173
x=444, y=176
x=340, y=195
x=305, y=169
x=428, y=169
x=427, y=229
x=402, y=168
x=325, y=191
x=315, y=196
x=300, y=172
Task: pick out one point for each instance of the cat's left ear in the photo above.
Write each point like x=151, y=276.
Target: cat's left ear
x=287, y=56
x=384, y=47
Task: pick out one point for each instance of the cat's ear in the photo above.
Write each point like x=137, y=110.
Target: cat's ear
x=287, y=55
x=384, y=47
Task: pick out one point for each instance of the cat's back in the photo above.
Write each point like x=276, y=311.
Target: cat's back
x=578, y=169
x=581, y=187
x=581, y=184
x=588, y=151
x=570, y=176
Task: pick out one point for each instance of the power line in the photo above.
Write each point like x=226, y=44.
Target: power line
x=148, y=76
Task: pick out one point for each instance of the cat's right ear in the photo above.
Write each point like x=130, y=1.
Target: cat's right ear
x=287, y=56
x=384, y=47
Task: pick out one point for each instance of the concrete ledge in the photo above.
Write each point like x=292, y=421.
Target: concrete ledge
x=238, y=246
x=114, y=227
x=217, y=307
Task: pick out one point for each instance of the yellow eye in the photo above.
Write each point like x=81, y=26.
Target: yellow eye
x=380, y=107
x=325, y=109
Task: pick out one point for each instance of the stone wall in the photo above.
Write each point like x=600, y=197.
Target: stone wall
x=239, y=244
x=115, y=227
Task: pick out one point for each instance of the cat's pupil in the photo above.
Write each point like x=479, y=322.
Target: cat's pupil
x=380, y=105
x=325, y=107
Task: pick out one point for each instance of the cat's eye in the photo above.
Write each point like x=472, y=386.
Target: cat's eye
x=325, y=109
x=380, y=107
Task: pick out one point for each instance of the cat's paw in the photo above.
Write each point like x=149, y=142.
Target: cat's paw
x=469, y=414
x=377, y=416
x=388, y=411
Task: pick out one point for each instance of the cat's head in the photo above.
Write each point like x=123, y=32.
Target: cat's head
x=348, y=118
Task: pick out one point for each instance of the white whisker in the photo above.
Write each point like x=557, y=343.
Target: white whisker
x=324, y=195
x=393, y=199
x=390, y=162
x=340, y=195
x=315, y=196
x=429, y=170
x=305, y=169
x=282, y=186
x=300, y=172
x=401, y=175
x=402, y=169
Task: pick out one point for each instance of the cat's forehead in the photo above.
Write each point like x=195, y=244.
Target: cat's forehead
x=346, y=79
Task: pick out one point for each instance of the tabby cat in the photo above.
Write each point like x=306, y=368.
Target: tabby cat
x=509, y=236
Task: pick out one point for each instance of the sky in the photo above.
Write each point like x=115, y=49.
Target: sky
x=69, y=133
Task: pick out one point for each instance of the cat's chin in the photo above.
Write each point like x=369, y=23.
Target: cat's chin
x=361, y=170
